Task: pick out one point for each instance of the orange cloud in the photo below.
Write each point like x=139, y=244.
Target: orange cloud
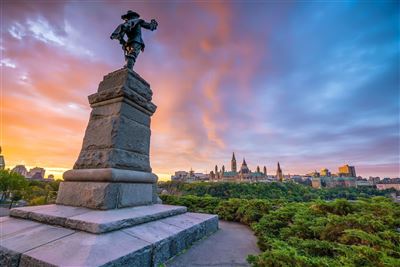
x=46, y=110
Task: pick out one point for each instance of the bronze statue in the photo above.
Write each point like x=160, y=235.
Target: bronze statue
x=132, y=27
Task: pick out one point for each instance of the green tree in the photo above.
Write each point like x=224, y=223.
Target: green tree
x=11, y=182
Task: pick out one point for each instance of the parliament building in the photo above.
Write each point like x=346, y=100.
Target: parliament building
x=243, y=174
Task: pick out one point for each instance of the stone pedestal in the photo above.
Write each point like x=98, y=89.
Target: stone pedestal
x=106, y=212
x=113, y=168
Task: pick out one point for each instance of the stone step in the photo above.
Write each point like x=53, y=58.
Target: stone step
x=29, y=243
x=96, y=221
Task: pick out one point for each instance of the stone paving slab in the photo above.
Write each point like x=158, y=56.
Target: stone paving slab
x=4, y=218
x=11, y=226
x=96, y=221
x=85, y=249
x=147, y=244
x=19, y=236
x=50, y=214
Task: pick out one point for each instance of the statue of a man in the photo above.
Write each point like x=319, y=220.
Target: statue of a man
x=132, y=28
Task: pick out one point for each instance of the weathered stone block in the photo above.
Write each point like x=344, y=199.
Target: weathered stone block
x=210, y=221
x=121, y=109
x=87, y=194
x=127, y=79
x=105, y=196
x=113, y=158
x=135, y=194
x=166, y=239
x=117, y=132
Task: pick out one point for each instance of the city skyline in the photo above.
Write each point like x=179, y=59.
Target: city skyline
x=310, y=85
x=234, y=166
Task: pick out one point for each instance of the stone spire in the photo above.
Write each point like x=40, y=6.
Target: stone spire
x=265, y=171
x=244, y=168
x=233, y=163
x=279, y=174
x=258, y=169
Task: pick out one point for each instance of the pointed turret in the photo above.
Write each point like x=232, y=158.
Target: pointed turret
x=279, y=174
x=233, y=163
x=244, y=168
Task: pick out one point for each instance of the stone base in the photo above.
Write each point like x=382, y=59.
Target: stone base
x=96, y=221
x=104, y=196
x=109, y=175
x=29, y=243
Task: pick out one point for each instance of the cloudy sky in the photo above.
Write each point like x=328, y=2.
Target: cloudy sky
x=309, y=84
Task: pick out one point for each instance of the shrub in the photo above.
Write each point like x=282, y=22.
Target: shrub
x=37, y=201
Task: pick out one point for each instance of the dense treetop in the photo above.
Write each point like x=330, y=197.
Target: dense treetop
x=297, y=226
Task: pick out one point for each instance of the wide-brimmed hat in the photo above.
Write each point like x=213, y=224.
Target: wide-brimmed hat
x=130, y=14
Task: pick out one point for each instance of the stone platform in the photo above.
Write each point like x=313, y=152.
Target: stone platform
x=26, y=242
x=96, y=221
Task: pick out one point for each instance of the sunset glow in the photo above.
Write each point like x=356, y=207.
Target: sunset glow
x=310, y=85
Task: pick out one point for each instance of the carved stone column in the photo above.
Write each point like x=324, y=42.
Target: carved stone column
x=113, y=168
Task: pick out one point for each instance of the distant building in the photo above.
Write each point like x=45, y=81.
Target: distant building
x=316, y=182
x=374, y=180
x=388, y=186
x=36, y=176
x=387, y=183
x=279, y=174
x=36, y=172
x=2, y=161
x=347, y=171
x=338, y=181
x=180, y=176
x=243, y=174
x=345, y=181
x=244, y=169
x=233, y=163
x=190, y=176
x=315, y=174
x=364, y=183
x=325, y=172
x=21, y=170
